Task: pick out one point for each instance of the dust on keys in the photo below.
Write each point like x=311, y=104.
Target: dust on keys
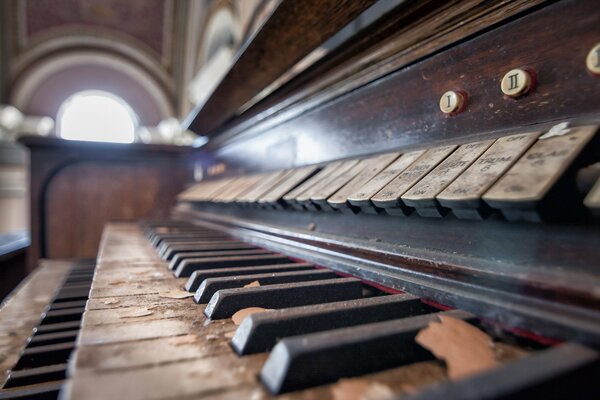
x=144, y=337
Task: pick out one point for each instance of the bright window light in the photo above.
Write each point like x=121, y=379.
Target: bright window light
x=97, y=116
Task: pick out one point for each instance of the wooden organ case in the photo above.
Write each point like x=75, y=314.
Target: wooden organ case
x=442, y=162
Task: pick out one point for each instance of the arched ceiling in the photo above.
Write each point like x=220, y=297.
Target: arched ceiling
x=145, y=51
x=133, y=47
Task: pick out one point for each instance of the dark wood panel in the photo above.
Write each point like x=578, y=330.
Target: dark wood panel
x=12, y=271
x=401, y=110
x=82, y=197
x=403, y=36
x=293, y=30
x=76, y=187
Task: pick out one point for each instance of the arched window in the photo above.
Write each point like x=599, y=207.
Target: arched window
x=97, y=116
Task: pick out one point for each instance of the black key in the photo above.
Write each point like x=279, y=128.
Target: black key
x=67, y=304
x=58, y=327
x=568, y=371
x=176, y=260
x=167, y=252
x=72, y=295
x=188, y=266
x=79, y=280
x=34, y=376
x=45, y=391
x=77, y=286
x=309, y=360
x=210, y=286
x=199, y=276
x=69, y=314
x=200, y=252
x=183, y=234
x=44, y=339
x=183, y=239
x=44, y=355
x=260, y=332
x=226, y=302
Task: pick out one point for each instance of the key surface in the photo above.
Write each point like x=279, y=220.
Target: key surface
x=34, y=376
x=212, y=254
x=389, y=196
x=227, y=302
x=362, y=196
x=371, y=168
x=66, y=315
x=231, y=187
x=199, y=276
x=203, y=191
x=309, y=360
x=58, y=327
x=43, y=339
x=44, y=355
x=309, y=183
x=67, y=304
x=246, y=185
x=592, y=200
x=168, y=252
x=566, y=371
x=325, y=183
x=260, y=332
x=183, y=232
x=236, y=186
x=180, y=256
x=209, y=286
x=422, y=194
x=299, y=175
x=467, y=189
x=267, y=181
x=187, y=237
x=533, y=175
x=190, y=265
x=42, y=391
x=183, y=241
x=344, y=175
x=72, y=294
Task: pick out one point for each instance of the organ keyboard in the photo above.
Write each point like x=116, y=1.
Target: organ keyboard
x=442, y=172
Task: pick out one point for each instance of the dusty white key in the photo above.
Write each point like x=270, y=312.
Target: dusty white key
x=592, y=200
x=242, y=185
x=267, y=181
x=422, y=194
x=389, y=196
x=220, y=188
x=372, y=167
x=333, y=185
x=299, y=192
x=229, y=187
x=295, y=178
x=201, y=191
x=463, y=195
x=323, y=185
x=362, y=197
x=531, y=178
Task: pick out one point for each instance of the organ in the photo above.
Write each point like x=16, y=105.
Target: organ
x=441, y=163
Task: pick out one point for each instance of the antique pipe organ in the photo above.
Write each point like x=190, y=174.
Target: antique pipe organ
x=442, y=164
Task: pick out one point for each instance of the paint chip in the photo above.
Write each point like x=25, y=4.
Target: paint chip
x=176, y=294
x=139, y=312
x=360, y=389
x=466, y=349
x=183, y=340
x=239, y=316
